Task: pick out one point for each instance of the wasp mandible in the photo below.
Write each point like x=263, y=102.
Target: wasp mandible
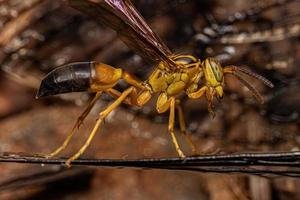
x=173, y=74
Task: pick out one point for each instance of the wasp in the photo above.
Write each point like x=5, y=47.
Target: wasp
x=173, y=75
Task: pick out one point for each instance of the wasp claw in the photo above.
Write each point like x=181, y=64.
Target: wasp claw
x=68, y=164
x=212, y=114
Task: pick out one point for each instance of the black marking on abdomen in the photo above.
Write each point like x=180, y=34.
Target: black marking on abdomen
x=73, y=77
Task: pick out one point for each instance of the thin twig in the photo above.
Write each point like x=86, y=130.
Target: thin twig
x=282, y=163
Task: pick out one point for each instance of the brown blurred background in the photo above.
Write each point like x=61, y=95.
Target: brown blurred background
x=38, y=35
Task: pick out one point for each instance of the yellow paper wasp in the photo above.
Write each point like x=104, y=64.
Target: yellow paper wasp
x=173, y=75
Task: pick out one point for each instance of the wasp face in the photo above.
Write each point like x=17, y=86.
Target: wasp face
x=214, y=76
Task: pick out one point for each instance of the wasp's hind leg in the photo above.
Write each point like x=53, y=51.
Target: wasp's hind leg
x=123, y=96
x=182, y=127
x=76, y=126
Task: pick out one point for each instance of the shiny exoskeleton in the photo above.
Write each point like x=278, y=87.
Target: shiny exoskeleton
x=173, y=75
x=192, y=77
x=73, y=77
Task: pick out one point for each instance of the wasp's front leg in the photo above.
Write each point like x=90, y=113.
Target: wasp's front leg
x=209, y=96
x=198, y=93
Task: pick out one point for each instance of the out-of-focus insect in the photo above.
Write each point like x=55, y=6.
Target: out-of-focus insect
x=173, y=75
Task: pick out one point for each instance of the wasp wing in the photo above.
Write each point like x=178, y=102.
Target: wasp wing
x=122, y=16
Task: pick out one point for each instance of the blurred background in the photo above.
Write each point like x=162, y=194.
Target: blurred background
x=37, y=36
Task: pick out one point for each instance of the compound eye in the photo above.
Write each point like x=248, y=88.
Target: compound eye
x=216, y=68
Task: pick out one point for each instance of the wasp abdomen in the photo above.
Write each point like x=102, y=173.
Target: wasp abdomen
x=74, y=77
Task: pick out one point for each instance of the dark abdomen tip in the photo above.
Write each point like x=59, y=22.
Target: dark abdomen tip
x=73, y=77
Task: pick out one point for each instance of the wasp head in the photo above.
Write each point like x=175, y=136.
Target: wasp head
x=214, y=77
x=214, y=81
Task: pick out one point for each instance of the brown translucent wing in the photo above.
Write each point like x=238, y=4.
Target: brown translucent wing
x=122, y=16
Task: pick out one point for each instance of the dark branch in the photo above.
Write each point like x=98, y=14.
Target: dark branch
x=283, y=163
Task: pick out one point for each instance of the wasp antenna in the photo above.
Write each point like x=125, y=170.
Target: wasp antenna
x=255, y=93
x=254, y=75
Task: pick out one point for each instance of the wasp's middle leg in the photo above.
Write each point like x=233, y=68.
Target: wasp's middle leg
x=163, y=104
x=182, y=127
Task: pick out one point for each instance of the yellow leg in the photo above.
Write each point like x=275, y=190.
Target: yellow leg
x=182, y=127
x=102, y=116
x=197, y=94
x=132, y=80
x=209, y=96
x=134, y=98
x=116, y=94
x=76, y=126
x=171, y=127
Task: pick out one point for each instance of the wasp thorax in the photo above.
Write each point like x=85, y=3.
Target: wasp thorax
x=186, y=60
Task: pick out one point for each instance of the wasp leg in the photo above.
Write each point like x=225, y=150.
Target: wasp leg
x=116, y=94
x=132, y=80
x=76, y=126
x=134, y=98
x=163, y=104
x=182, y=127
x=197, y=94
x=171, y=126
x=209, y=96
x=102, y=116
